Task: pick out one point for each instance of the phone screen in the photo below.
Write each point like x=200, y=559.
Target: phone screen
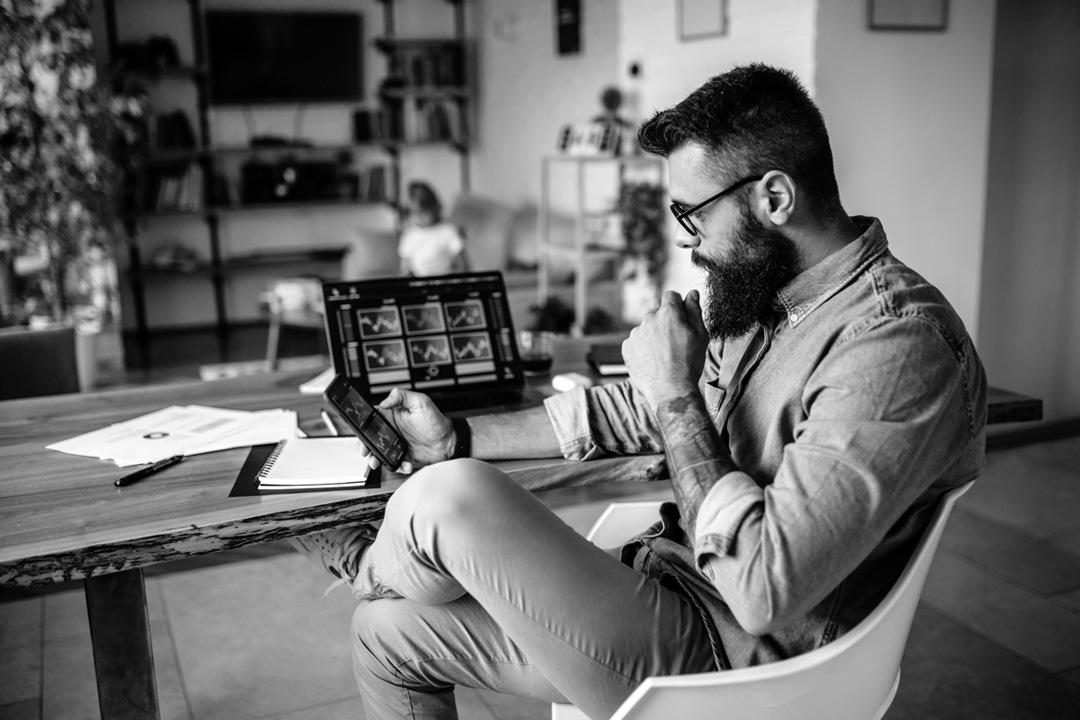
x=378, y=434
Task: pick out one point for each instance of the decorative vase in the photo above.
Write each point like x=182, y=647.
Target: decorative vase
x=86, y=354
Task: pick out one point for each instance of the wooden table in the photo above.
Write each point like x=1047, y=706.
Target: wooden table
x=61, y=518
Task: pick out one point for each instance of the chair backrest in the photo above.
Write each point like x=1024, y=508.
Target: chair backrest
x=37, y=362
x=855, y=676
x=485, y=224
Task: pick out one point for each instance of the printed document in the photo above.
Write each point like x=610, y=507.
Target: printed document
x=180, y=430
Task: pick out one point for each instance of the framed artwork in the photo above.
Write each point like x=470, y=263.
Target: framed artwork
x=917, y=15
x=701, y=19
x=596, y=138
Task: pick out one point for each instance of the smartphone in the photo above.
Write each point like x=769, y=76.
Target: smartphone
x=377, y=434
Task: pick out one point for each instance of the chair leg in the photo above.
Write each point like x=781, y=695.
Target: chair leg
x=273, y=337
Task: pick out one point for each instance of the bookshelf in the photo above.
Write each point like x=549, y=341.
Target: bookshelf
x=425, y=97
x=209, y=190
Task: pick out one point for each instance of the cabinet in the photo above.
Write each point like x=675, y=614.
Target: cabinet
x=579, y=226
x=245, y=204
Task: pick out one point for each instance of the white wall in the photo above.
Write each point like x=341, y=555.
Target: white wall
x=908, y=115
x=779, y=32
x=1029, y=327
x=526, y=91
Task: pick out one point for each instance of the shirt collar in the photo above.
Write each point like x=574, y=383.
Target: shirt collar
x=808, y=290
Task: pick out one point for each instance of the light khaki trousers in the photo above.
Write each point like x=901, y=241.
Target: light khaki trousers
x=473, y=581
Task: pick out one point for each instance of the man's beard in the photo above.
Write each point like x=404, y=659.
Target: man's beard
x=741, y=286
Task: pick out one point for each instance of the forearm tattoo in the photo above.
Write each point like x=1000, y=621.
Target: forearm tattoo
x=694, y=454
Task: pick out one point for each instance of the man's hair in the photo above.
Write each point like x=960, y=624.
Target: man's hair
x=752, y=119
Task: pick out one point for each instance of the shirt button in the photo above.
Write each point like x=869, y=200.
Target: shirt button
x=794, y=317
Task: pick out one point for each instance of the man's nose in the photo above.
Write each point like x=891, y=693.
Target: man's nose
x=684, y=239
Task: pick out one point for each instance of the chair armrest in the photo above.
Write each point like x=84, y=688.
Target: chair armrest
x=622, y=520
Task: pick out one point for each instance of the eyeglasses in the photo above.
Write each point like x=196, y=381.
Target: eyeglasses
x=683, y=216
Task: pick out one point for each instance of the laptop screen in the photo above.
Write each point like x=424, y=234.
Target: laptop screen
x=432, y=334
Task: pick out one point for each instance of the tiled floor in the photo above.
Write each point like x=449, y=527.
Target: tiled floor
x=996, y=636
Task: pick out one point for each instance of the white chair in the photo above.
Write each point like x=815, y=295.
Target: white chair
x=855, y=676
x=294, y=301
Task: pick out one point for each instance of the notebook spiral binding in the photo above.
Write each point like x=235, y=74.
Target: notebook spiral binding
x=271, y=459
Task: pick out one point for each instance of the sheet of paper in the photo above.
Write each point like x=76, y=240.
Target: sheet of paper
x=175, y=430
x=273, y=425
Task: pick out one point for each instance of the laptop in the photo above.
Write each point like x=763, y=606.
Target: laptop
x=450, y=337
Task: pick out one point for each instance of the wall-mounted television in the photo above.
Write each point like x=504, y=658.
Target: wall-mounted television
x=264, y=57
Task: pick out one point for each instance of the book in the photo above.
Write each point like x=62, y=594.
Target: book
x=607, y=359
x=331, y=463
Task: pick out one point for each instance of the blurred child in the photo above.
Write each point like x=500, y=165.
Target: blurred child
x=429, y=245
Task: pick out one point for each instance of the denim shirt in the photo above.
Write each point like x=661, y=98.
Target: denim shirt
x=849, y=411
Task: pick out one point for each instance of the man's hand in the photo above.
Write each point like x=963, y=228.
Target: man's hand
x=428, y=432
x=665, y=354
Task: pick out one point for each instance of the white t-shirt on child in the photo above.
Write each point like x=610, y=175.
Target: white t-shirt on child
x=430, y=250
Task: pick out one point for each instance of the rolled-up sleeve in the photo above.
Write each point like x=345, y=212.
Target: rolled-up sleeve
x=603, y=420
x=721, y=514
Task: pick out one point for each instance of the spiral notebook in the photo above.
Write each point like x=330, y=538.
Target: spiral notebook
x=314, y=464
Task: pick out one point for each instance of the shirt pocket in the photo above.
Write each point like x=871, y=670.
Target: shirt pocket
x=714, y=398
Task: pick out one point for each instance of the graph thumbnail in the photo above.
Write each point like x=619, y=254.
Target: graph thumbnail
x=465, y=314
x=423, y=318
x=379, y=322
x=429, y=351
x=385, y=355
x=382, y=435
x=471, y=346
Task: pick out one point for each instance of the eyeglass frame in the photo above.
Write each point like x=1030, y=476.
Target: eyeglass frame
x=683, y=215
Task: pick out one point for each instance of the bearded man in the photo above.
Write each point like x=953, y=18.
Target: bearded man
x=811, y=415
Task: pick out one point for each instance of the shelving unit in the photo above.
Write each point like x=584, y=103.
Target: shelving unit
x=422, y=101
x=424, y=98
x=133, y=204
x=596, y=235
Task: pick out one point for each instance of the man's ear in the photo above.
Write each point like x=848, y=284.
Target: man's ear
x=776, y=198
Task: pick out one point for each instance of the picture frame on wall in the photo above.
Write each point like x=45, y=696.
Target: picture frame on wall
x=910, y=15
x=699, y=19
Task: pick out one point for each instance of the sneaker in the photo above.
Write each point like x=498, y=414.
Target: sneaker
x=339, y=550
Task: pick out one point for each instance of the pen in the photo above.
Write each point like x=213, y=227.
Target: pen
x=328, y=422
x=148, y=470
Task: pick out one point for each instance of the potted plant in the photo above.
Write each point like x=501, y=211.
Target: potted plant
x=641, y=206
x=58, y=195
x=552, y=315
